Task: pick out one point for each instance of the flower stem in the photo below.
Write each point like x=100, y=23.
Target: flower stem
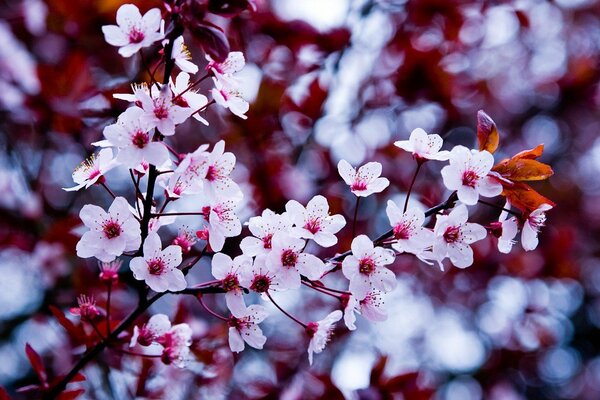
x=412, y=183
x=211, y=312
x=355, y=216
x=108, y=190
x=285, y=312
x=318, y=289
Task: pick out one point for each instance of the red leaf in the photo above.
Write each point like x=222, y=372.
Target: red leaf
x=530, y=154
x=36, y=363
x=4, y=394
x=400, y=383
x=229, y=8
x=76, y=332
x=523, y=169
x=377, y=371
x=71, y=394
x=524, y=197
x=213, y=40
x=487, y=132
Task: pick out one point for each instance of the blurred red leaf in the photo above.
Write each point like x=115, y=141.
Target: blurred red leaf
x=4, y=394
x=70, y=394
x=36, y=363
x=524, y=197
x=229, y=8
x=377, y=371
x=487, y=132
x=76, y=332
x=213, y=40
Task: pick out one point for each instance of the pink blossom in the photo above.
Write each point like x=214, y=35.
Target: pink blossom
x=109, y=271
x=263, y=228
x=92, y=170
x=188, y=98
x=111, y=233
x=468, y=174
x=409, y=234
x=86, y=308
x=176, y=342
x=534, y=222
x=232, y=64
x=320, y=333
x=454, y=235
x=314, y=221
x=182, y=56
x=259, y=278
x=228, y=272
x=158, y=267
x=365, y=181
x=371, y=307
x=220, y=221
x=133, y=31
x=161, y=112
x=227, y=95
x=145, y=335
x=244, y=328
x=423, y=146
x=188, y=177
x=219, y=165
x=365, y=268
x=134, y=139
x=289, y=262
x=508, y=230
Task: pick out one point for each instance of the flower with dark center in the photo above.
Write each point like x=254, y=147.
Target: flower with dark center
x=313, y=225
x=289, y=258
x=140, y=139
x=111, y=229
x=260, y=283
x=366, y=266
x=452, y=234
x=230, y=282
x=470, y=178
x=156, y=266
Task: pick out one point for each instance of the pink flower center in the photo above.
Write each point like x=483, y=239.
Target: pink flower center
x=267, y=241
x=401, y=232
x=140, y=139
x=366, y=266
x=93, y=174
x=311, y=328
x=161, y=111
x=452, y=234
x=359, y=184
x=289, y=258
x=230, y=282
x=470, y=178
x=180, y=101
x=211, y=173
x=136, y=35
x=206, y=212
x=260, y=283
x=111, y=229
x=156, y=266
x=313, y=225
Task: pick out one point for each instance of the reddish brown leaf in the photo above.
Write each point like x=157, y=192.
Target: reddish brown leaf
x=76, y=332
x=36, y=363
x=487, y=132
x=377, y=371
x=523, y=169
x=4, y=394
x=523, y=197
x=530, y=154
x=400, y=383
x=71, y=394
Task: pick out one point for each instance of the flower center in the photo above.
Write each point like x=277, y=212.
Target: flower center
x=211, y=173
x=366, y=266
x=313, y=225
x=452, y=234
x=230, y=282
x=267, y=241
x=161, y=111
x=111, y=229
x=470, y=178
x=289, y=258
x=136, y=35
x=359, y=184
x=537, y=221
x=311, y=329
x=261, y=283
x=206, y=212
x=140, y=139
x=401, y=232
x=180, y=101
x=156, y=266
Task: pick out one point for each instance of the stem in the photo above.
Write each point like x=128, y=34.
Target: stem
x=318, y=289
x=108, y=190
x=211, y=312
x=163, y=214
x=355, y=215
x=285, y=312
x=412, y=183
x=204, y=107
x=191, y=86
x=189, y=265
x=109, y=287
x=498, y=207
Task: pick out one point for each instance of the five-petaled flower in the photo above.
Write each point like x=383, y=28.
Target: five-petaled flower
x=161, y=112
x=371, y=307
x=188, y=98
x=454, y=235
x=423, y=146
x=111, y=233
x=259, y=278
x=147, y=334
x=365, y=268
x=320, y=333
x=228, y=96
x=409, y=234
x=176, y=342
x=228, y=272
x=158, y=267
x=244, y=328
x=314, y=221
x=365, y=181
x=469, y=174
x=232, y=64
x=263, y=228
x=92, y=170
x=220, y=221
x=133, y=31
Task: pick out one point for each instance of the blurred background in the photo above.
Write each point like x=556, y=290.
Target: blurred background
x=326, y=80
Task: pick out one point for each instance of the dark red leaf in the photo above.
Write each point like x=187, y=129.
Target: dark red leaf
x=487, y=132
x=377, y=371
x=4, y=394
x=213, y=40
x=71, y=394
x=229, y=8
x=36, y=363
x=76, y=332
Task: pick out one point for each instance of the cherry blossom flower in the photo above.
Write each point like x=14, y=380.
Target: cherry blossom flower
x=176, y=342
x=111, y=233
x=534, y=222
x=423, y=146
x=157, y=326
x=365, y=268
x=109, y=271
x=185, y=240
x=365, y=181
x=219, y=165
x=320, y=333
x=408, y=229
x=286, y=257
x=188, y=98
x=260, y=278
x=133, y=138
x=232, y=64
x=92, y=170
x=468, y=174
x=244, y=328
x=505, y=229
x=161, y=112
x=314, y=221
x=228, y=271
x=220, y=221
x=263, y=228
x=86, y=308
x=182, y=56
x=226, y=95
x=371, y=307
x=454, y=235
x=158, y=267
x=133, y=31
x=188, y=177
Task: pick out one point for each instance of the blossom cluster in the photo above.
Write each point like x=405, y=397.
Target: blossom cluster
x=274, y=257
